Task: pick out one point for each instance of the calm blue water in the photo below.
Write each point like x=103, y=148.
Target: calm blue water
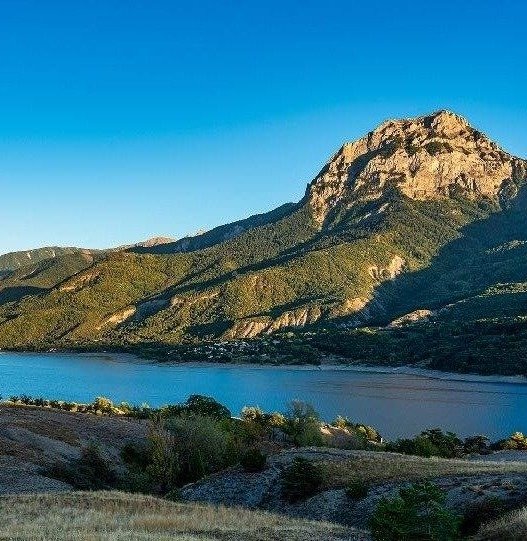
x=395, y=403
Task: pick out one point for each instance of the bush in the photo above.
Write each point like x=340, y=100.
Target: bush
x=90, y=472
x=163, y=467
x=253, y=460
x=357, y=490
x=418, y=512
x=476, y=445
x=433, y=442
x=516, y=442
x=301, y=480
x=136, y=455
x=103, y=404
x=418, y=446
x=254, y=414
x=203, y=445
x=302, y=425
x=206, y=406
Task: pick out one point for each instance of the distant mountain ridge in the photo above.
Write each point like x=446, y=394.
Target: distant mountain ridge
x=401, y=221
x=15, y=260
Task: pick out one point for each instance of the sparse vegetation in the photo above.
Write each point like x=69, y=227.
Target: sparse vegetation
x=378, y=468
x=511, y=526
x=433, y=442
x=90, y=472
x=176, y=446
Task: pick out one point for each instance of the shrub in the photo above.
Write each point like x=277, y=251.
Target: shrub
x=203, y=445
x=163, y=466
x=255, y=424
x=517, y=442
x=436, y=147
x=368, y=433
x=206, y=406
x=302, y=425
x=448, y=444
x=476, y=445
x=301, y=480
x=418, y=446
x=90, y=472
x=253, y=460
x=357, y=490
x=340, y=422
x=136, y=455
x=103, y=404
x=433, y=442
x=417, y=512
x=254, y=414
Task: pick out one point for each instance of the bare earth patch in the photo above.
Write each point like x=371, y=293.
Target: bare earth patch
x=32, y=439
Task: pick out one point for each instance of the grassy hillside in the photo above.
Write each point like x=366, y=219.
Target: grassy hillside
x=118, y=516
x=512, y=527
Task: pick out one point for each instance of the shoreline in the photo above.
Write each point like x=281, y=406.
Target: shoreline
x=407, y=370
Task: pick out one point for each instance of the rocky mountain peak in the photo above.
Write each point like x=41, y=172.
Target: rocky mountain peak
x=427, y=157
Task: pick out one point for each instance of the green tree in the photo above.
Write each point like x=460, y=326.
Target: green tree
x=417, y=513
x=206, y=406
x=302, y=424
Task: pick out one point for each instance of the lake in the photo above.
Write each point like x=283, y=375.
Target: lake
x=398, y=404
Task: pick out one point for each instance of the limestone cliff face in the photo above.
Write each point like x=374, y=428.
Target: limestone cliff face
x=425, y=158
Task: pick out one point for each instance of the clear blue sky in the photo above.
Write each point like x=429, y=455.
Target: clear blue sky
x=121, y=120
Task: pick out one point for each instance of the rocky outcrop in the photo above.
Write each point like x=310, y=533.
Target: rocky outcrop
x=425, y=158
x=248, y=328
x=412, y=317
x=390, y=271
x=81, y=281
x=118, y=317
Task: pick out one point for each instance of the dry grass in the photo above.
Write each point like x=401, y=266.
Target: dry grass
x=115, y=516
x=512, y=527
x=384, y=467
